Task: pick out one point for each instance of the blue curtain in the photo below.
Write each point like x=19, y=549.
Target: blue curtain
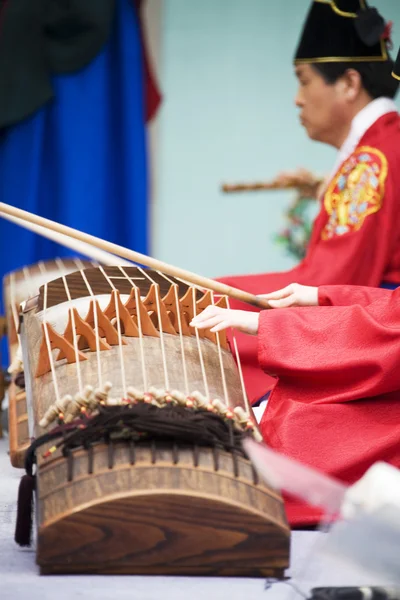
x=81, y=160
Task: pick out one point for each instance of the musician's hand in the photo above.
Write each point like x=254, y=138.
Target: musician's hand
x=217, y=319
x=306, y=181
x=293, y=295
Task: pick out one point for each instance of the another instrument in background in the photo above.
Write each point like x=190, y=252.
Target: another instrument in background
x=299, y=215
x=144, y=472
x=18, y=286
x=302, y=180
x=256, y=186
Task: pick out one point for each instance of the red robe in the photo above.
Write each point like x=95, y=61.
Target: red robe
x=336, y=405
x=360, y=206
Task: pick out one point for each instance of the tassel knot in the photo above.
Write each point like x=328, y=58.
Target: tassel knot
x=23, y=527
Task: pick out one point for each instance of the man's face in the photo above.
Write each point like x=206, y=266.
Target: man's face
x=322, y=105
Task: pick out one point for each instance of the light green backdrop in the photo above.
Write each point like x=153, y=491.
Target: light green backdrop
x=228, y=115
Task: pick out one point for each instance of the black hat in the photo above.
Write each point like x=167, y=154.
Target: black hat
x=343, y=31
x=396, y=70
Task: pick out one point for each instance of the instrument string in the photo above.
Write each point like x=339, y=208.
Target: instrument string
x=224, y=384
x=74, y=335
x=42, y=267
x=120, y=349
x=139, y=323
x=203, y=370
x=160, y=326
x=80, y=264
x=239, y=365
x=48, y=345
x=221, y=361
x=96, y=327
x=182, y=342
x=28, y=281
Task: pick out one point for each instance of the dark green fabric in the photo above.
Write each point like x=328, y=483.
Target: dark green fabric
x=41, y=37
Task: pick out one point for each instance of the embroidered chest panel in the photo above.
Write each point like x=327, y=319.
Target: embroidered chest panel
x=355, y=192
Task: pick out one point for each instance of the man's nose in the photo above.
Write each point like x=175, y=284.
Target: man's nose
x=298, y=100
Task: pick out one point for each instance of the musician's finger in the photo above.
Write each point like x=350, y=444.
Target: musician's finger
x=222, y=325
x=205, y=323
x=208, y=312
x=284, y=302
x=278, y=294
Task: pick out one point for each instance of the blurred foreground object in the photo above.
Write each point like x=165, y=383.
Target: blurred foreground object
x=364, y=518
x=353, y=593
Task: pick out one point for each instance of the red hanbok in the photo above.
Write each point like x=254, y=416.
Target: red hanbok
x=355, y=239
x=336, y=404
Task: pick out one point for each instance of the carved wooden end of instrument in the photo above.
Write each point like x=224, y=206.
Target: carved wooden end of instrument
x=18, y=286
x=142, y=502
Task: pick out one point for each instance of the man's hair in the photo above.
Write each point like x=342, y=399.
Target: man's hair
x=376, y=77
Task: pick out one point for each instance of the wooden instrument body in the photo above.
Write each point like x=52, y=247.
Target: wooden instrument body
x=147, y=508
x=157, y=517
x=19, y=286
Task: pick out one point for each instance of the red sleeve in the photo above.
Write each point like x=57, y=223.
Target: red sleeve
x=345, y=295
x=351, y=351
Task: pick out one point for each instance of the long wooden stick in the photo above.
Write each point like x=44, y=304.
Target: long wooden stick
x=105, y=258
x=136, y=257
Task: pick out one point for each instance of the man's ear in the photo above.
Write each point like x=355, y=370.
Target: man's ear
x=351, y=84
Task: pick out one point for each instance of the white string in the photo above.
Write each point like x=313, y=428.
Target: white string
x=121, y=354
x=195, y=285
x=164, y=359
x=42, y=267
x=178, y=314
x=80, y=264
x=139, y=320
x=48, y=344
x=203, y=371
x=74, y=336
x=221, y=361
x=28, y=280
x=225, y=388
x=239, y=364
x=96, y=328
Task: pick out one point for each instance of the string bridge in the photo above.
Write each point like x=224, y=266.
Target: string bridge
x=137, y=317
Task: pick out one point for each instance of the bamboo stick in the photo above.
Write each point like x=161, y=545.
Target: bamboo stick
x=105, y=258
x=137, y=257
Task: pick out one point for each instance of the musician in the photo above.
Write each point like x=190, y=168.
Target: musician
x=335, y=353
x=335, y=405
x=345, y=99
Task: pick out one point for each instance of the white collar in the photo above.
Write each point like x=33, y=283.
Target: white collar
x=360, y=125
